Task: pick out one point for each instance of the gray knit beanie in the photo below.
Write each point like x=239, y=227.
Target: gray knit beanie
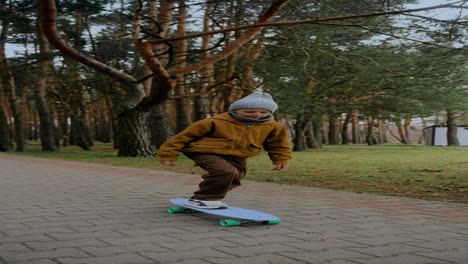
x=258, y=100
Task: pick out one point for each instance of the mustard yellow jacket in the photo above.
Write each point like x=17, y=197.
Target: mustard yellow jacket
x=225, y=135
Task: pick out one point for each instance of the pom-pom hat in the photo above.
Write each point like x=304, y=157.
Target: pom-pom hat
x=257, y=100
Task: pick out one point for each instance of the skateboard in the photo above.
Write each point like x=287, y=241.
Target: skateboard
x=237, y=215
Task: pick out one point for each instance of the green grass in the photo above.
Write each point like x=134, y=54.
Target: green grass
x=432, y=173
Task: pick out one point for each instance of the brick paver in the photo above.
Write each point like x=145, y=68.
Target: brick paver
x=62, y=212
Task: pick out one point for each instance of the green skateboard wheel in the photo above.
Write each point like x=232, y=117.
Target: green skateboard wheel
x=229, y=223
x=273, y=222
x=173, y=210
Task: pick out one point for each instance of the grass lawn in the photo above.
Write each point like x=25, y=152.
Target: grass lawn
x=432, y=173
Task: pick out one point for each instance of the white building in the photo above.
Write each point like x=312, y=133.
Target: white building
x=437, y=135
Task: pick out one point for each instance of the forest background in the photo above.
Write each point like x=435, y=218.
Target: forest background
x=136, y=72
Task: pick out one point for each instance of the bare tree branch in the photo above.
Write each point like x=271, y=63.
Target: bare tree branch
x=208, y=90
x=306, y=21
x=410, y=39
x=235, y=45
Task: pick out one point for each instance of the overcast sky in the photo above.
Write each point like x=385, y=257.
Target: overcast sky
x=443, y=13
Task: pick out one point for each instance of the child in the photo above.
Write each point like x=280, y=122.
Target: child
x=221, y=144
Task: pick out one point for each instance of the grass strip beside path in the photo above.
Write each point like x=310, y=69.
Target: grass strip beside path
x=431, y=173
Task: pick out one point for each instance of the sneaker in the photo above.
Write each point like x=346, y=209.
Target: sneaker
x=205, y=204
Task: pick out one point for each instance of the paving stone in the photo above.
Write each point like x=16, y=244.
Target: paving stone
x=247, y=251
x=178, y=256
x=77, y=235
x=126, y=258
x=12, y=247
x=329, y=255
x=193, y=261
x=31, y=231
x=139, y=240
x=434, y=236
x=383, y=240
x=382, y=231
x=36, y=261
x=389, y=250
x=191, y=245
x=339, y=261
x=150, y=231
x=91, y=229
x=7, y=226
x=76, y=243
x=31, y=237
x=444, y=245
x=265, y=239
x=258, y=259
x=406, y=258
x=202, y=236
x=455, y=256
x=141, y=248
x=47, y=224
x=48, y=254
x=324, y=244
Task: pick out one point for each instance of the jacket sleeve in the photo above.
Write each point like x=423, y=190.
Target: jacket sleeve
x=170, y=149
x=278, y=145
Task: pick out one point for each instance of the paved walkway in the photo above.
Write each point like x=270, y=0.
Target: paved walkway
x=73, y=213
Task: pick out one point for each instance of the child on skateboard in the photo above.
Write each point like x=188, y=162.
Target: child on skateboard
x=221, y=144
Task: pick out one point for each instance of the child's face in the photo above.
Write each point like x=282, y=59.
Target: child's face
x=253, y=113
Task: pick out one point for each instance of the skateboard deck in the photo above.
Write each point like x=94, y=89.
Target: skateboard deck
x=238, y=215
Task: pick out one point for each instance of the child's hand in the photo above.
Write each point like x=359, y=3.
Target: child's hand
x=280, y=167
x=170, y=163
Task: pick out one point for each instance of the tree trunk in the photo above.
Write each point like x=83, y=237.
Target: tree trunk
x=112, y=120
x=311, y=139
x=9, y=81
x=183, y=116
x=382, y=137
x=206, y=74
x=5, y=143
x=422, y=138
x=333, y=130
x=228, y=91
x=161, y=128
x=452, y=129
x=80, y=131
x=47, y=128
x=356, y=129
x=317, y=125
x=370, y=139
x=344, y=131
x=131, y=123
x=105, y=125
x=299, y=137
x=63, y=124
x=402, y=132
x=251, y=54
x=35, y=114
x=79, y=119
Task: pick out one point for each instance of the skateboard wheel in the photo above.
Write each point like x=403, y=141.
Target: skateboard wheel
x=273, y=222
x=229, y=223
x=173, y=210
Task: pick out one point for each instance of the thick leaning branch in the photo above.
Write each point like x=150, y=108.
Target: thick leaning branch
x=48, y=19
x=161, y=76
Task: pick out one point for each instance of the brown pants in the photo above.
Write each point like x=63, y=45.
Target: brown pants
x=224, y=174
